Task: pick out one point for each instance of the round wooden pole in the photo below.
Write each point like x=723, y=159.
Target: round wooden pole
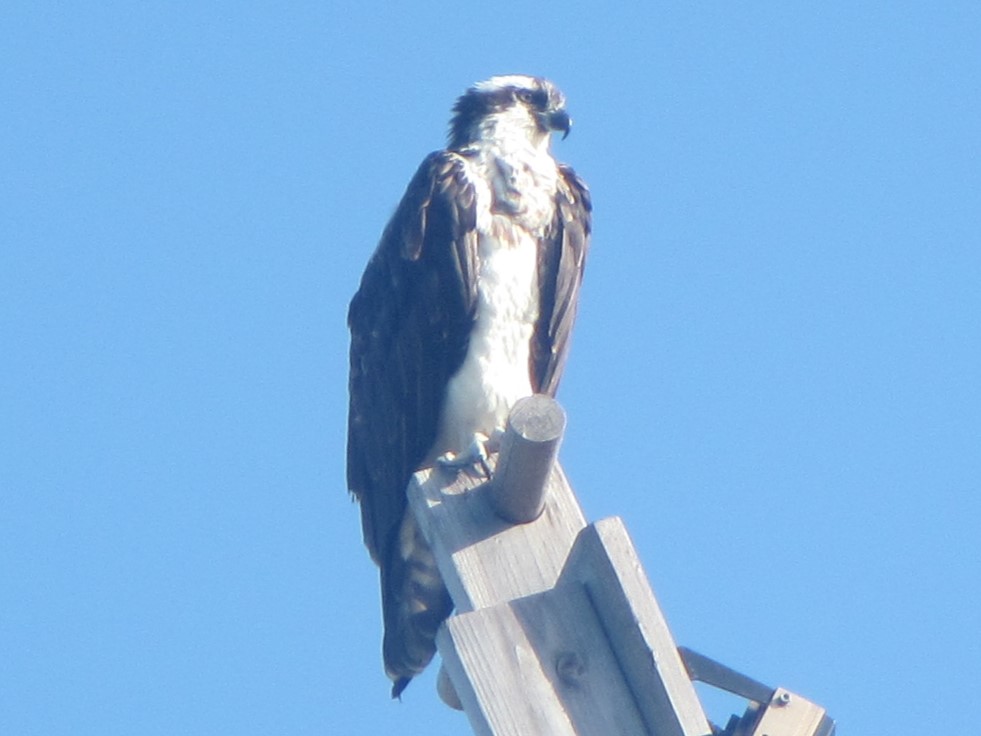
x=528, y=451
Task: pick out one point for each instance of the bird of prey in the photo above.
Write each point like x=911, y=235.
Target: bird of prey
x=465, y=307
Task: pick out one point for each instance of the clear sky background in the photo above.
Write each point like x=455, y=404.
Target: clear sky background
x=774, y=379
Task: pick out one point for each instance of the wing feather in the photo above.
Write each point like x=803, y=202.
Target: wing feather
x=560, y=272
x=410, y=321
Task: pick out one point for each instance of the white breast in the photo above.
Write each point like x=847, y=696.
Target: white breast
x=515, y=202
x=494, y=374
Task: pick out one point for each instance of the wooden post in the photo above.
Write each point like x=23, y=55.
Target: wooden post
x=605, y=562
x=528, y=451
x=556, y=631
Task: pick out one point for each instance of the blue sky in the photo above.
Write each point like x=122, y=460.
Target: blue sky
x=774, y=379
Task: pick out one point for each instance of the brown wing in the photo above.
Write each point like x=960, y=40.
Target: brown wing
x=410, y=322
x=560, y=271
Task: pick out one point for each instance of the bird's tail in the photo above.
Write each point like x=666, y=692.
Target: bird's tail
x=414, y=603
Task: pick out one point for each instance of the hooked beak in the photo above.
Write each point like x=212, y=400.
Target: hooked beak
x=560, y=120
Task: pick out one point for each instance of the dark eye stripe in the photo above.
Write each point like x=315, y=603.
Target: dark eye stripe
x=538, y=97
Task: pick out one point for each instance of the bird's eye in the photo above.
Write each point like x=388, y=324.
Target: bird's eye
x=526, y=96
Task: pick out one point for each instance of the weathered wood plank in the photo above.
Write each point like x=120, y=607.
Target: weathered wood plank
x=539, y=665
x=485, y=560
x=605, y=561
x=498, y=677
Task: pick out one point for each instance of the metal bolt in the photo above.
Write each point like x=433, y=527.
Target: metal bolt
x=783, y=699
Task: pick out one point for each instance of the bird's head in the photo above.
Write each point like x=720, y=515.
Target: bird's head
x=511, y=105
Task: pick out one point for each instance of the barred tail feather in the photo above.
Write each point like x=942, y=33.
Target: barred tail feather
x=415, y=602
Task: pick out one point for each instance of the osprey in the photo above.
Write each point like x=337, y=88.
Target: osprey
x=465, y=307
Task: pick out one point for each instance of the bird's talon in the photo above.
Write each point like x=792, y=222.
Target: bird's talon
x=474, y=457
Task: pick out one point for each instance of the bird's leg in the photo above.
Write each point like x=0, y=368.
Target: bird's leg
x=474, y=456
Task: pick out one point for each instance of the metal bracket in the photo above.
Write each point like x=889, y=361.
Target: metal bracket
x=771, y=711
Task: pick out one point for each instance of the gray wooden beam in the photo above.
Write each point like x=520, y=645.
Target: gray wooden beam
x=483, y=559
x=605, y=562
x=539, y=665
